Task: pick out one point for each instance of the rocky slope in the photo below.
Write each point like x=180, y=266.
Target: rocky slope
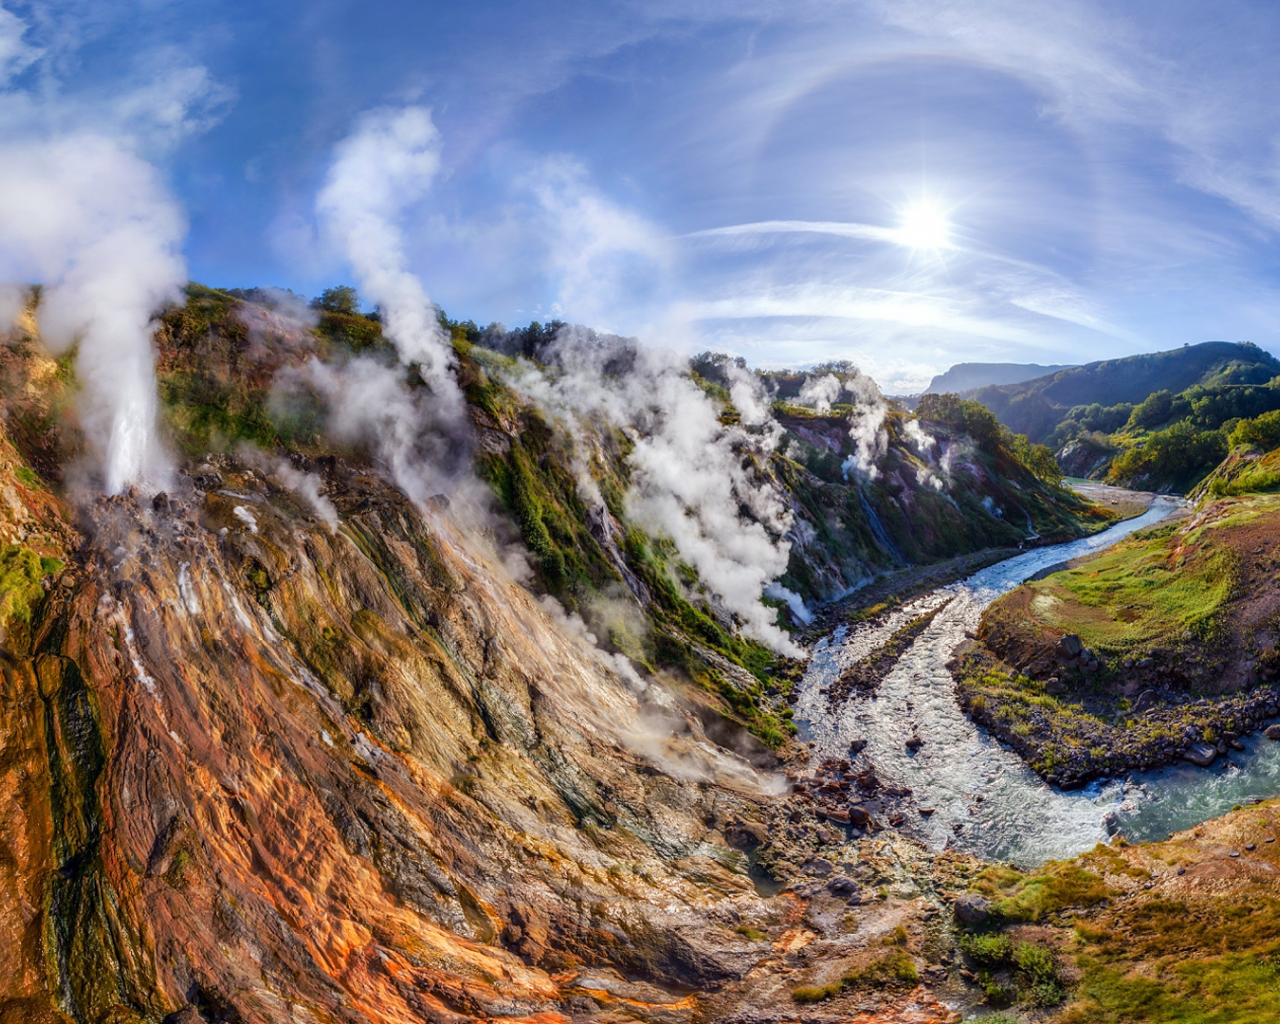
x=283, y=743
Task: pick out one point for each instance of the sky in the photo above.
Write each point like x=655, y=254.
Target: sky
x=905, y=184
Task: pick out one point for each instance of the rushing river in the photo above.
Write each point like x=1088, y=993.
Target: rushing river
x=1003, y=810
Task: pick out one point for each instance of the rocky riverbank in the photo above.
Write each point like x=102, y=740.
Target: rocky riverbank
x=1072, y=741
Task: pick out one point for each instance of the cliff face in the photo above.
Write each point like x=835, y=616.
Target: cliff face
x=354, y=775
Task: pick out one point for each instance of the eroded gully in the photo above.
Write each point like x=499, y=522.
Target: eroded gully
x=986, y=800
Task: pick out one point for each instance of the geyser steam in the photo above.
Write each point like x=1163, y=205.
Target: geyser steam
x=386, y=165
x=93, y=223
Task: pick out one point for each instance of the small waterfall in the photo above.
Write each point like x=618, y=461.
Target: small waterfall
x=877, y=529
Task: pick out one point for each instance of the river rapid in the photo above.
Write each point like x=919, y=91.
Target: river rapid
x=986, y=800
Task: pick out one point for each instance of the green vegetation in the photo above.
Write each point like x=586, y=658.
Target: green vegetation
x=892, y=970
x=21, y=573
x=1032, y=897
x=1152, y=588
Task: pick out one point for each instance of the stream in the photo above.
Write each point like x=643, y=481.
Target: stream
x=987, y=801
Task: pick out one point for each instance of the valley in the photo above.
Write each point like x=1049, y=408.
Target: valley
x=337, y=729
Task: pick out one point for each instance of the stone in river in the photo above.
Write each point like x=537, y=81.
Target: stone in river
x=1273, y=732
x=1201, y=754
x=839, y=815
x=914, y=742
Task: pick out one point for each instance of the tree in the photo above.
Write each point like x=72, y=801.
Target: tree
x=339, y=299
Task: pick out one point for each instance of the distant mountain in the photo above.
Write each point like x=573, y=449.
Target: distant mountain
x=1037, y=407
x=967, y=376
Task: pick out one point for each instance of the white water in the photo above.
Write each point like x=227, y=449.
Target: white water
x=1006, y=811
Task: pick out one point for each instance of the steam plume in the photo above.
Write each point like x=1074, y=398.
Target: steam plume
x=93, y=222
x=386, y=165
x=691, y=475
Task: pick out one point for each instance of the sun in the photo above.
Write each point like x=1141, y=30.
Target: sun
x=924, y=226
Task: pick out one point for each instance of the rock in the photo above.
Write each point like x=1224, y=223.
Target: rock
x=1250, y=847
x=971, y=909
x=926, y=812
x=1235, y=744
x=858, y=815
x=842, y=885
x=1235, y=853
x=857, y=746
x=839, y=816
x=1201, y=754
x=914, y=742
x=746, y=835
x=819, y=866
x=1055, y=687
x=1146, y=700
x=1070, y=646
x=1272, y=732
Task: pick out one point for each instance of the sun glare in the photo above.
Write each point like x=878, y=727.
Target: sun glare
x=924, y=226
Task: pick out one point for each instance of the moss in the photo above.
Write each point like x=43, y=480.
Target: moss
x=21, y=572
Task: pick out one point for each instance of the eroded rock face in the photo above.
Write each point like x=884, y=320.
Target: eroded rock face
x=358, y=775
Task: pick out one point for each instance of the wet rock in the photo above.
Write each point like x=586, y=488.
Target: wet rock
x=858, y=815
x=926, y=812
x=839, y=816
x=857, y=746
x=1272, y=732
x=1200, y=754
x=971, y=909
x=914, y=742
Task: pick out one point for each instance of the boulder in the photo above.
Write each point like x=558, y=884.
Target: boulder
x=914, y=742
x=857, y=746
x=1146, y=701
x=819, y=866
x=1201, y=754
x=1272, y=732
x=1055, y=687
x=858, y=815
x=839, y=816
x=842, y=885
x=971, y=909
x=1070, y=646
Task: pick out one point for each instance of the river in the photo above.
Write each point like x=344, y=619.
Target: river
x=987, y=801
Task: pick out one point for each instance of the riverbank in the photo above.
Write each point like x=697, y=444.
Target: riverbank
x=1158, y=650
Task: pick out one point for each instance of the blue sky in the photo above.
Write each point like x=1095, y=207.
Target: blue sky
x=905, y=184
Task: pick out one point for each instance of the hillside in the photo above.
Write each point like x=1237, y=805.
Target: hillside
x=1040, y=407
x=381, y=714
x=969, y=376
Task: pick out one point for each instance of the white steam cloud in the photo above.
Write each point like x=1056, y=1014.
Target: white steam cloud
x=386, y=165
x=866, y=427
x=383, y=167
x=92, y=221
x=691, y=476
x=820, y=392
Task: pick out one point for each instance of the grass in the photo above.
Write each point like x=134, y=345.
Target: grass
x=1019, y=897
x=1144, y=591
x=892, y=970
